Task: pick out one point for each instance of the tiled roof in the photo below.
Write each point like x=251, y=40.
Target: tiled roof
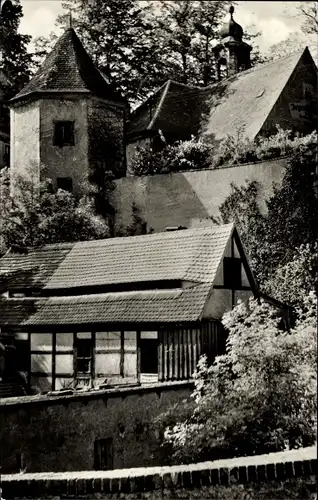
x=162, y=306
x=14, y=311
x=240, y=103
x=188, y=255
x=68, y=68
x=170, y=109
x=34, y=268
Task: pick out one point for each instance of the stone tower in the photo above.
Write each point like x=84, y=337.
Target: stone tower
x=232, y=53
x=67, y=124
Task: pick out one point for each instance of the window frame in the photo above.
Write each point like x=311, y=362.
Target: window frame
x=104, y=454
x=232, y=279
x=88, y=373
x=59, y=137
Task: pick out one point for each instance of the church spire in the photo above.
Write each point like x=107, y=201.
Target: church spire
x=232, y=53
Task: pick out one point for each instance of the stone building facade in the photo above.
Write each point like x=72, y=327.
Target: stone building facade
x=67, y=124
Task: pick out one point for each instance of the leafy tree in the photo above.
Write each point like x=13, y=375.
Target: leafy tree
x=16, y=60
x=296, y=41
x=39, y=216
x=309, y=12
x=259, y=397
x=291, y=282
x=291, y=220
x=187, y=31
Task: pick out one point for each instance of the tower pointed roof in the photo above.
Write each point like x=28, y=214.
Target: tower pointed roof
x=232, y=28
x=68, y=69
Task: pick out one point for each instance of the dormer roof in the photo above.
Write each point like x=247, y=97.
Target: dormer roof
x=68, y=69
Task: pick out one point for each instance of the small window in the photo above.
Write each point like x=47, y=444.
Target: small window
x=64, y=134
x=232, y=273
x=22, y=355
x=65, y=183
x=149, y=352
x=6, y=155
x=83, y=356
x=103, y=451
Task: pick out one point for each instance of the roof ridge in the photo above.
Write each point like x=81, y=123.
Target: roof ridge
x=162, y=99
x=253, y=69
x=165, y=234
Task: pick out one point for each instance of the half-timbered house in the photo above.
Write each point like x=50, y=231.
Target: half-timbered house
x=123, y=310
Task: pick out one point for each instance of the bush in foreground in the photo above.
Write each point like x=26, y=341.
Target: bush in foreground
x=259, y=397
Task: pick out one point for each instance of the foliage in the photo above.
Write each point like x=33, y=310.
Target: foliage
x=182, y=155
x=38, y=216
x=290, y=220
x=120, y=37
x=291, y=282
x=187, y=31
x=197, y=153
x=16, y=60
x=295, y=41
x=309, y=13
x=259, y=397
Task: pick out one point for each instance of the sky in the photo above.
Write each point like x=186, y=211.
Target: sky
x=275, y=19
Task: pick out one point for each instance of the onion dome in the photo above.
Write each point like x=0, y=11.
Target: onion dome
x=232, y=28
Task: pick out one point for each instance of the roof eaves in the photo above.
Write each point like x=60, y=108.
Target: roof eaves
x=38, y=93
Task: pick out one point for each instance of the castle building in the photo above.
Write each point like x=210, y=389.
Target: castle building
x=68, y=121
x=69, y=124
x=246, y=101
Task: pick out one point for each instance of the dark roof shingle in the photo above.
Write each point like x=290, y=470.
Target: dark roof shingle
x=237, y=104
x=189, y=255
x=34, y=268
x=152, y=306
x=68, y=68
x=170, y=109
x=246, y=100
x=14, y=311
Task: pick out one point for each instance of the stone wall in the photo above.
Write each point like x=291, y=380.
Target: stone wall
x=57, y=432
x=283, y=476
x=25, y=141
x=106, y=147
x=66, y=161
x=188, y=198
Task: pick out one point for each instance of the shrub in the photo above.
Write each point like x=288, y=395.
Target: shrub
x=199, y=154
x=180, y=156
x=259, y=397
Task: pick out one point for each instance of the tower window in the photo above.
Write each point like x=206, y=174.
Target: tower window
x=64, y=134
x=65, y=183
x=232, y=273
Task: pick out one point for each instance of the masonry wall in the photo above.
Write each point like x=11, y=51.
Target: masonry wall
x=66, y=161
x=188, y=198
x=294, y=109
x=106, y=146
x=25, y=140
x=57, y=433
x=281, y=476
